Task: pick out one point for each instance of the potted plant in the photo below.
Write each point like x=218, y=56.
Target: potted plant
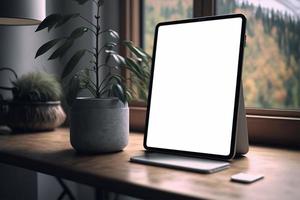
x=35, y=105
x=100, y=123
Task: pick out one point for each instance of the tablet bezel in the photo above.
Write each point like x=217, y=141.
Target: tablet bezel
x=237, y=90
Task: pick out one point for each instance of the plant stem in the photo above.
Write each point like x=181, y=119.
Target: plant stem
x=103, y=81
x=88, y=21
x=91, y=30
x=97, y=56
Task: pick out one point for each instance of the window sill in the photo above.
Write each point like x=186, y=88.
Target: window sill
x=137, y=118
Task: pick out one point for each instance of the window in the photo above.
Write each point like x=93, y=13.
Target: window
x=271, y=64
x=156, y=11
x=271, y=71
x=271, y=75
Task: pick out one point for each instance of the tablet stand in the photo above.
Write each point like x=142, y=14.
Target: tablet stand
x=199, y=164
x=242, y=144
x=181, y=162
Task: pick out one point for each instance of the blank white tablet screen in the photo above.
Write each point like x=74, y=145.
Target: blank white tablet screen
x=194, y=86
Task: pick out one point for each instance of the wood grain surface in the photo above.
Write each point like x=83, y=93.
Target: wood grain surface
x=52, y=154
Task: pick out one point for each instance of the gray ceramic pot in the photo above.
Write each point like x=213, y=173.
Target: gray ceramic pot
x=99, y=125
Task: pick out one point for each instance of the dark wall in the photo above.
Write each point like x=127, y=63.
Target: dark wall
x=18, y=45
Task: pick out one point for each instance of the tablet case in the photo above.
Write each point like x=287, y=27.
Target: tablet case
x=242, y=143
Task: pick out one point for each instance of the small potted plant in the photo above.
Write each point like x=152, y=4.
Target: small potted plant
x=35, y=105
x=100, y=123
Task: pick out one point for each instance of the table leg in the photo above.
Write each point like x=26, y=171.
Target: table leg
x=66, y=191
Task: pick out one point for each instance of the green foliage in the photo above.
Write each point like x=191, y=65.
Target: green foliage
x=88, y=78
x=139, y=65
x=36, y=86
x=49, y=22
x=47, y=46
x=272, y=58
x=78, y=32
x=72, y=89
x=55, y=20
x=61, y=51
x=73, y=62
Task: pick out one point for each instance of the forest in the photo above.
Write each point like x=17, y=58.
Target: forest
x=271, y=73
x=271, y=70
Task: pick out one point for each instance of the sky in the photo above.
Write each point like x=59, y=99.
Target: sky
x=291, y=7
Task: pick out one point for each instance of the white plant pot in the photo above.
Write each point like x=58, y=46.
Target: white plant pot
x=99, y=125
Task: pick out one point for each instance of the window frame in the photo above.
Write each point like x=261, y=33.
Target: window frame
x=272, y=127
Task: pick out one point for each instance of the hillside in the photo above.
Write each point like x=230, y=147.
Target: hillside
x=272, y=57
x=271, y=62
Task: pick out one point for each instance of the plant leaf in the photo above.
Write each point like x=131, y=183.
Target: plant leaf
x=137, y=51
x=118, y=91
x=128, y=95
x=92, y=90
x=142, y=50
x=49, y=22
x=114, y=34
x=47, y=46
x=84, y=78
x=110, y=51
x=115, y=77
x=65, y=19
x=130, y=62
x=72, y=63
x=72, y=89
x=81, y=1
x=120, y=60
x=143, y=93
x=132, y=66
x=78, y=32
x=110, y=45
x=62, y=49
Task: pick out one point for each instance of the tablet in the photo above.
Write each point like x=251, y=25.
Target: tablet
x=195, y=85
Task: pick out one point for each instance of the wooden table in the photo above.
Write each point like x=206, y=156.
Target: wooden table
x=52, y=154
